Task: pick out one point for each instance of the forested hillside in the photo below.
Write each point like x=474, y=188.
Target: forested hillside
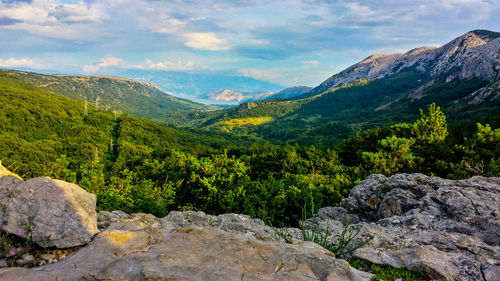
x=112, y=93
x=136, y=165
x=37, y=126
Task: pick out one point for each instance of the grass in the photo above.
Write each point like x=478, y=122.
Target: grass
x=345, y=245
x=387, y=272
x=341, y=249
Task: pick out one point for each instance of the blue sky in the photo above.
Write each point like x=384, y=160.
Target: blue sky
x=289, y=42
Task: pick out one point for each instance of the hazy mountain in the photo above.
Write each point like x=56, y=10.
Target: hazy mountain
x=142, y=99
x=462, y=77
x=193, y=85
x=287, y=93
x=235, y=97
x=229, y=96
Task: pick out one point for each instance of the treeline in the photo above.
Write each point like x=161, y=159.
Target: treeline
x=272, y=181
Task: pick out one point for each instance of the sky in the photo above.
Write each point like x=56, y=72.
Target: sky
x=292, y=42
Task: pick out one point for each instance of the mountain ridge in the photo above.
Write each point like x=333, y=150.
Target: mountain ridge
x=462, y=77
x=458, y=53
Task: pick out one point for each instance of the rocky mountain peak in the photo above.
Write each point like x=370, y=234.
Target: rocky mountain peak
x=485, y=35
x=475, y=54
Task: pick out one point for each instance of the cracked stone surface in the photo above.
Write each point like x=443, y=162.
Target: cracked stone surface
x=191, y=246
x=449, y=229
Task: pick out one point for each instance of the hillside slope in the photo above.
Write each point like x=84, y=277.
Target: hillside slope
x=37, y=126
x=111, y=93
x=462, y=77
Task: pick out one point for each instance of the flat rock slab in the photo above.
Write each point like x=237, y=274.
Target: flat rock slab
x=142, y=247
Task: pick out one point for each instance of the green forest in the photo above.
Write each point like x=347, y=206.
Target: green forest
x=136, y=165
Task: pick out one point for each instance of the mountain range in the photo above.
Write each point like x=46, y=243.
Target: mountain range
x=236, y=97
x=197, y=86
x=462, y=77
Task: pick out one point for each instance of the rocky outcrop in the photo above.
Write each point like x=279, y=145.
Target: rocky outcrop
x=474, y=54
x=52, y=213
x=190, y=246
x=449, y=229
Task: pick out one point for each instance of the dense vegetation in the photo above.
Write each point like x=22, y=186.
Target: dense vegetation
x=111, y=93
x=136, y=165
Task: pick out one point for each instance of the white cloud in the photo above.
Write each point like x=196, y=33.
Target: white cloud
x=205, y=41
x=169, y=65
x=110, y=61
x=22, y=62
x=90, y=68
x=56, y=19
x=103, y=62
x=258, y=74
x=310, y=62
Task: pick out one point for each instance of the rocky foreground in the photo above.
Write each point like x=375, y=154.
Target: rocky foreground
x=449, y=229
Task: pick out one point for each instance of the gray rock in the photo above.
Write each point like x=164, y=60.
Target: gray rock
x=449, y=229
x=105, y=218
x=25, y=259
x=142, y=247
x=52, y=213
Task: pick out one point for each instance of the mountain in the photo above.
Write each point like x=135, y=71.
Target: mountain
x=192, y=85
x=111, y=93
x=229, y=96
x=287, y=93
x=472, y=55
x=462, y=77
x=234, y=96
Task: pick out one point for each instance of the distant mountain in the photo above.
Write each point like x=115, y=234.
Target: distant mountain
x=233, y=96
x=287, y=93
x=229, y=96
x=462, y=77
x=193, y=85
x=125, y=95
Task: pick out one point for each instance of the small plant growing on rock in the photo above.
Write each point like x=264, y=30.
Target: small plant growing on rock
x=343, y=248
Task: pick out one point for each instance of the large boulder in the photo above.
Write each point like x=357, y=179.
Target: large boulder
x=449, y=229
x=191, y=246
x=52, y=213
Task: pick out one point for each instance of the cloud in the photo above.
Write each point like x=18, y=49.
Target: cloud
x=310, y=62
x=22, y=62
x=205, y=41
x=8, y=21
x=169, y=65
x=103, y=62
x=81, y=12
x=54, y=18
x=258, y=74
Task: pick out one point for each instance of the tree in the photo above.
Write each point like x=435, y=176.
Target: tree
x=431, y=128
x=394, y=155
